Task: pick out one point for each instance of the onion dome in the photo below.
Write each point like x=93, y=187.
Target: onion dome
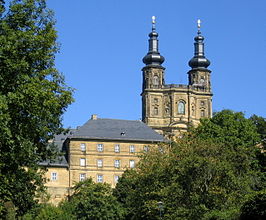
x=199, y=60
x=153, y=56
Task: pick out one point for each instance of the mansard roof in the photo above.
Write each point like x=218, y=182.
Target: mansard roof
x=116, y=129
x=103, y=129
x=58, y=142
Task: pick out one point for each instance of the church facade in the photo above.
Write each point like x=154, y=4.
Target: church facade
x=171, y=108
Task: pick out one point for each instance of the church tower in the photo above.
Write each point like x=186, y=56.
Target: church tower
x=171, y=109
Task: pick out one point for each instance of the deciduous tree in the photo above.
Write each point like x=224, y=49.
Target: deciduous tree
x=207, y=174
x=33, y=97
x=93, y=201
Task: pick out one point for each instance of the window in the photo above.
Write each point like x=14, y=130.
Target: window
x=202, y=103
x=117, y=148
x=202, y=113
x=117, y=164
x=181, y=107
x=132, y=163
x=116, y=178
x=83, y=147
x=100, y=147
x=202, y=80
x=146, y=148
x=82, y=162
x=155, y=111
x=156, y=80
x=99, y=178
x=132, y=149
x=99, y=163
x=53, y=176
x=82, y=176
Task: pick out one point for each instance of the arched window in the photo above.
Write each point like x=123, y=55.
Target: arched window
x=181, y=107
x=202, y=113
x=202, y=80
x=155, y=80
x=155, y=111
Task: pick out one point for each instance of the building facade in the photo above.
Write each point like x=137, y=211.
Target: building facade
x=171, y=108
x=101, y=149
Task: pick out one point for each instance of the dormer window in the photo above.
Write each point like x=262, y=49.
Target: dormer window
x=123, y=133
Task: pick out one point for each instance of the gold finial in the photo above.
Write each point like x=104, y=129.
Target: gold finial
x=153, y=19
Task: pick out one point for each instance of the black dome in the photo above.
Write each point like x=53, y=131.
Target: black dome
x=153, y=58
x=199, y=62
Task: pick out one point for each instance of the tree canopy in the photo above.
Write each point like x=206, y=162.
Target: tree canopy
x=208, y=174
x=33, y=97
x=230, y=128
x=93, y=201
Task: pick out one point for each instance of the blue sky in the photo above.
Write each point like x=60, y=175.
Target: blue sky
x=103, y=43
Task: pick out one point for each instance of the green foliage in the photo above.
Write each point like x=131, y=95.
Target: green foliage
x=140, y=189
x=255, y=207
x=194, y=180
x=241, y=135
x=47, y=212
x=33, y=97
x=260, y=124
x=10, y=211
x=229, y=128
x=93, y=201
x=208, y=174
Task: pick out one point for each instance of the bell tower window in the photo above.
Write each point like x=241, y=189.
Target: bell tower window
x=156, y=81
x=202, y=113
x=181, y=107
x=155, y=111
x=202, y=80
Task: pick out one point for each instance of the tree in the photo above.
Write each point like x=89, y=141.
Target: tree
x=33, y=97
x=254, y=208
x=235, y=131
x=260, y=124
x=140, y=189
x=208, y=174
x=195, y=179
x=93, y=201
x=230, y=128
x=47, y=212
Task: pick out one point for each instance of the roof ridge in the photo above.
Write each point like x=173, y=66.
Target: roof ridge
x=114, y=119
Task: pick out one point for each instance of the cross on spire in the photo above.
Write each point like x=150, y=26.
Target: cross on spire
x=153, y=22
x=199, y=25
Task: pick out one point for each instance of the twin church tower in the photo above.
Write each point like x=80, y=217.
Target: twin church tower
x=171, y=108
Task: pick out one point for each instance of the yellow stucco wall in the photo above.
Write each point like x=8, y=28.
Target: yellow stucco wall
x=58, y=187
x=67, y=177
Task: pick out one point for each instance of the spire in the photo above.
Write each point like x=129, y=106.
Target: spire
x=153, y=56
x=199, y=60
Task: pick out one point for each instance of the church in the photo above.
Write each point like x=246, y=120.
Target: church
x=171, y=109
x=102, y=149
